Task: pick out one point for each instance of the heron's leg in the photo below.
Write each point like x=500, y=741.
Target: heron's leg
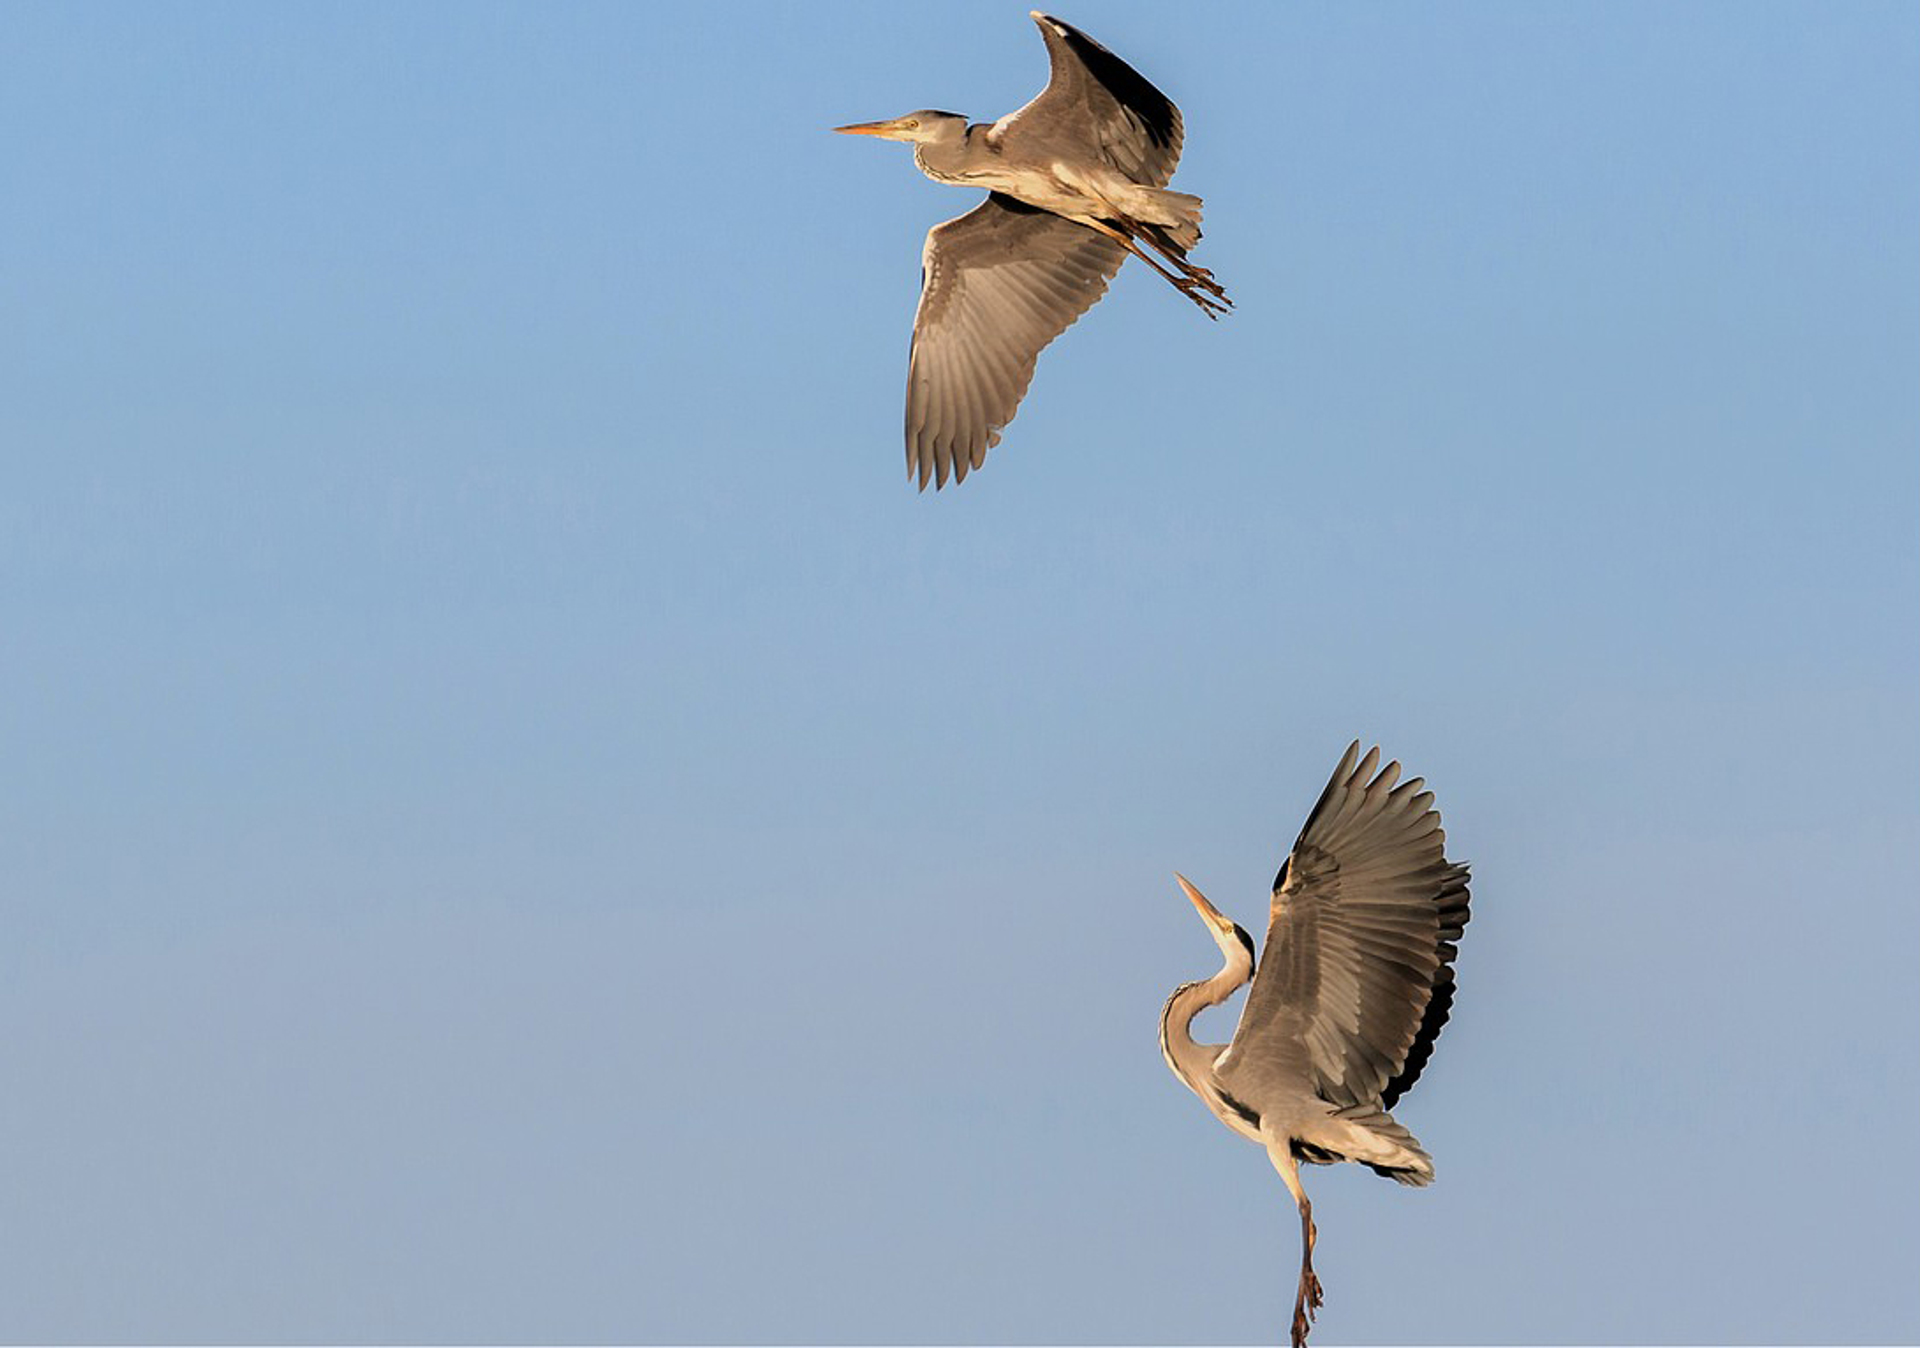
x=1309, y=1236
x=1194, y=276
x=1191, y=280
x=1193, y=271
x=1126, y=241
x=1186, y=285
x=1307, y=1299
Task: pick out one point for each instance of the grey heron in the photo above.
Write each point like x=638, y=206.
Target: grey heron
x=1077, y=181
x=1351, y=991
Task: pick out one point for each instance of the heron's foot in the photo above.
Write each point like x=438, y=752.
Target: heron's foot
x=1304, y=1305
x=1212, y=300
x=1198, y=285
x=1201, y=275
x=1206, y=292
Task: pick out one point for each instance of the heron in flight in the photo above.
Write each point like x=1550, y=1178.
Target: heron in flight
x=1077, y=181
x=1350, y=994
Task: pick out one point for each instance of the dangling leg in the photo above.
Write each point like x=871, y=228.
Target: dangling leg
x=1307, y=1300
x=1187, y=285
x=1309, y=1293
x=1163, y=242
x=1125, y=206
x=1156, y=238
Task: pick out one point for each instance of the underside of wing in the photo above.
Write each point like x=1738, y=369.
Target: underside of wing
x=999, y=283
x=1356, y=979
x=1095, y=103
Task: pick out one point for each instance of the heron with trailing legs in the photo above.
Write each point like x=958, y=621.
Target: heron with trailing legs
x=1346, y=1000
x=1076, y=183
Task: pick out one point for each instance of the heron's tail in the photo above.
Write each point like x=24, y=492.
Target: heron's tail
x=1375, y=1139
x=1175, y=216
x=1136, y=207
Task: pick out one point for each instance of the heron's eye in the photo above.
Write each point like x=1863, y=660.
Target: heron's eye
x=913, y=123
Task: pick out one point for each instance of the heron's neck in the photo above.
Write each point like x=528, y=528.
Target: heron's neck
x=1187, y=1058
x=946, y=160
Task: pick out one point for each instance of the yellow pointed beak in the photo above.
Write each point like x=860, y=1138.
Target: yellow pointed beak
x=1205, y=909
x=890, y=127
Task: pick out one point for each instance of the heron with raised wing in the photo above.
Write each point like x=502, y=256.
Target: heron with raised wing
x=1351, y=991
x=1077, y=182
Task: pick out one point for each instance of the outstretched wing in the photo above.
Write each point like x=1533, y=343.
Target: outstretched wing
x=1357, y=976
x=998, y=284
x=1094, y=104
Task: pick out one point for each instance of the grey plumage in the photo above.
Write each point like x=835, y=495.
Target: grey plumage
x=1348, y=996
x=1077, y=181
x=1137, y=128
x=1000, y=283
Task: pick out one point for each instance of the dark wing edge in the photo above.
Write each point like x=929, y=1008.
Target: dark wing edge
x=1138, y=128
x=1341, y=773
x=998, y=285
x=1367, y=915
x=1453, y=924
x=1158, y=116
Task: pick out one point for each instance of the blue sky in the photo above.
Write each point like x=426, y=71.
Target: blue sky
x=518, y=824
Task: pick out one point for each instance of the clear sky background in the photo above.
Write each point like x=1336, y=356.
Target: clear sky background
x=516, y=823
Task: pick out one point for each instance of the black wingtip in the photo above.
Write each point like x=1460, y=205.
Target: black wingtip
x=1342, y=772
x=1128, y=86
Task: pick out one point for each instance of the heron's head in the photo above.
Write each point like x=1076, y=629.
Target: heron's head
x=1229, y=935
x=919, y=127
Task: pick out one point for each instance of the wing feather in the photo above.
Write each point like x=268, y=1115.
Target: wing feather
x=1356, y=980
x=1095, y=104
x=999, y=284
